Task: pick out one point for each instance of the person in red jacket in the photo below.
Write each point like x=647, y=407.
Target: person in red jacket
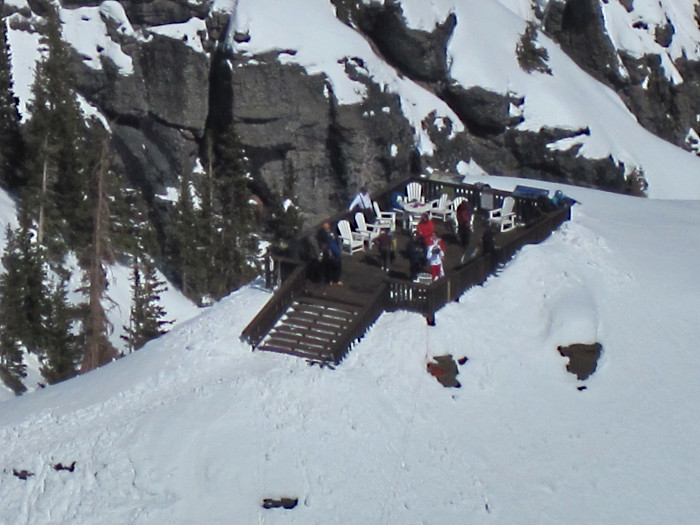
x=426, y=228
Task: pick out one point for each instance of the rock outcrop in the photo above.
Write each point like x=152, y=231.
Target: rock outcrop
x=302, y=143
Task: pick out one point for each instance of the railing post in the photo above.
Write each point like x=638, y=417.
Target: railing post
x=268, y=270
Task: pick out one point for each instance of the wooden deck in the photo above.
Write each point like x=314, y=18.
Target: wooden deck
x=366, y=266
x=321, y=322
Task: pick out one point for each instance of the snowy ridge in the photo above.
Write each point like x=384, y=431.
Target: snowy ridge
x=197, y=428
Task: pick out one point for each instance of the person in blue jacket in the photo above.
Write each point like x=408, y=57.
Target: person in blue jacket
x=331, y=256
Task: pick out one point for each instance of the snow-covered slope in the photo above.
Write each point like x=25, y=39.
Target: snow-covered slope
x=195, y=428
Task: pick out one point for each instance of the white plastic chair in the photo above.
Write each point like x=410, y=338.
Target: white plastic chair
x=504, y=216
x=351, y=241
x=442, y=208
x=414, y=192
x=385, y=218
x=368, y=232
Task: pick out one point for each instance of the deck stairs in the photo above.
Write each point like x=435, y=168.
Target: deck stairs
x=313, y=327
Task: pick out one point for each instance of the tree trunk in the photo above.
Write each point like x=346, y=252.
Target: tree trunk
x=98, y=350
x=42, y=198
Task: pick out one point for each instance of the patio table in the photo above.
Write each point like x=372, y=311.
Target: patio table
x=417, y=208
x=414, y=210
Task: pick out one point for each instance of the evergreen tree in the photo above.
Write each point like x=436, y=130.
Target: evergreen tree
x=61, y=348
x=187, y=244
x=10, y=136
x=57, y=172
x=12, y=367
x=211, y=243
x=23, y=288
x=130, y=228
x=236, y=244
x=23, y=303
x=146, y=320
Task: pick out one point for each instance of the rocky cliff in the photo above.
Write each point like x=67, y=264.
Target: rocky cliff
x=187, y=67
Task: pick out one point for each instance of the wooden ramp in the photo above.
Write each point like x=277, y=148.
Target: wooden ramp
x=314, y=327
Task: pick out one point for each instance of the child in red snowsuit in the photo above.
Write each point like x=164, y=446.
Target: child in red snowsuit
x=435, y=254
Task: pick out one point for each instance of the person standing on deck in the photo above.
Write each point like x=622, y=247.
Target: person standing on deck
x=426, y=228
x=363, y=203
x=464, y=220
x=435, y=254
x=384, y=242
x=416, y=255
x=331, y=255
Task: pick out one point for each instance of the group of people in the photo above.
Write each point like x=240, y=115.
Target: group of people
x=424, y=246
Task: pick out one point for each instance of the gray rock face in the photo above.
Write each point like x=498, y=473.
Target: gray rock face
x=664, y=108
x=420, y=54
x=283, y=119
x=577, y=25
x=300, y=142
x=158, y=112
x=483, y=112
x=147, y=13
x=303, y=144
x=176, y=82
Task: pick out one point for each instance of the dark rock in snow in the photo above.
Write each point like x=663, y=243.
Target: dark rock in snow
x=583, y=358
x=22, y=474
x=444, y=369
x=285, y=503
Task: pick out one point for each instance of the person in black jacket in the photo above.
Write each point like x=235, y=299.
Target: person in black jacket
x=331, y=255
x=416, y=255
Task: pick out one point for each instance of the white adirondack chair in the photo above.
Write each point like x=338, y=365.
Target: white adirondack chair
x=455, y=204
x=368, y=232
x=442, y=208
x=504, y=216
x=414, y=192
x=385, y=218
x=351, y=241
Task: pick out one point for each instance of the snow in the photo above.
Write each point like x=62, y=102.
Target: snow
x=84, y=28
x=8, y=218
x=196, y=428
x=189, y=32
x=24, y=54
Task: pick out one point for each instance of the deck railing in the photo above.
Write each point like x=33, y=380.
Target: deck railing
x=429, y=298
x=290, y=289
x=426, y=299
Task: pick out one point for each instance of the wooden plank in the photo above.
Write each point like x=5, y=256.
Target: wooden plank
x=296, y=353
x=288, y=331
x=313, y=324
x=320, y=310
x=330, y=304
x=315, y=317
x=288, y=341
x=307, y=328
